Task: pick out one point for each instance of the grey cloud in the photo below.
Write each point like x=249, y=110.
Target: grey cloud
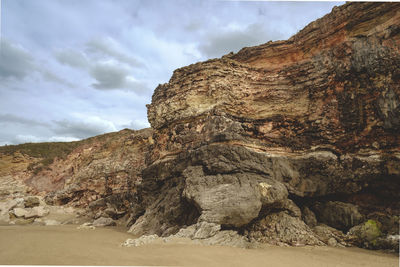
x=72, y=58
x=51, y=77
x=108, y=47
x=14, y=119
x=218, y=44
x=110, y=76
x=15, y=61
x=82, y=129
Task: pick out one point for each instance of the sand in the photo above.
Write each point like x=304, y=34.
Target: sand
x=66, y=245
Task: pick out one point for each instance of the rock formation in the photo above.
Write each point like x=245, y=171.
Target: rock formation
x=99, y=173
x=291, y=142
x=252, y=139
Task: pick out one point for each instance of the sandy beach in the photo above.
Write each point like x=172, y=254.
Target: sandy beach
x=66, y=245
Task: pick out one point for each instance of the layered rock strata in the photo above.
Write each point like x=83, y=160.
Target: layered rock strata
x=292, y=143
x=99, y=174
x=278, y=138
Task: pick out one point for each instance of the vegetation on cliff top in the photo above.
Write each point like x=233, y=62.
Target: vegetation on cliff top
x=48, y=151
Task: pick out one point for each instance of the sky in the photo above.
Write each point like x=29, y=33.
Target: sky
x=72, y=69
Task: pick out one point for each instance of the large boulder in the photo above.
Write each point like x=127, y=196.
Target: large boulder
x=38, y=211
x=337, y=214
x=20, y=212
x=231, y=199
x=6, y=206
x=222, y=199
x=281, y=228
x=369, y=235
x=27, y=213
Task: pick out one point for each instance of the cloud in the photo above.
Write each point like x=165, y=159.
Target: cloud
x=103, y=61
x=14, y=119
x=15, y=61
x=72, y=58
x=21, y=138
x=137, y=124
x=83, y=127
x=109, y=47
x=113, y=76
x=116, y=62
x=62, y=139
x=109, y=76
x=51, y=77
x=233, y=39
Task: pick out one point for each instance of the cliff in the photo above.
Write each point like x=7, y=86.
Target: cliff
x=276, y=136
x=290, y=142
x=99, y=170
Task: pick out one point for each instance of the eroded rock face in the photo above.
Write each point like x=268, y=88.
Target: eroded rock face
x=107, y=168
x=104, y=168
x=262, y=145
x=339, y=215
x=281, y=228
x=250, y=139
x=230, y=199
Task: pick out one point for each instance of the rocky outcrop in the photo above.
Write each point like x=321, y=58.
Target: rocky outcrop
x=100, y=173
x=201, y=233
x=20, y=211
x=249, y=140
x=291, y=142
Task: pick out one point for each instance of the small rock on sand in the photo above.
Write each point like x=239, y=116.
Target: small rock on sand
x=86, y=226
x=102, y=221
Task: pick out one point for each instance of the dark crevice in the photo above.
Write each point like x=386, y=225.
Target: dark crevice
x=190, y=213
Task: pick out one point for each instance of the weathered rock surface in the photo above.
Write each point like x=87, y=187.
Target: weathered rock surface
x=337, y=214
x=201, y=233
x=259, y=146
x=230, y=199
x=31, y=201
x=102, y=221
x=309, y=217
x=99, y=173
x=281, y=228
x=106, y=166
x=249, y=140
x=143, y=240
x=330, y=235
x=86, y=226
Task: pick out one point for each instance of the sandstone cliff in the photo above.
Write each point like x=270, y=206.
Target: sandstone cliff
x=99, y=170
x=276, y=138
x=291, y=142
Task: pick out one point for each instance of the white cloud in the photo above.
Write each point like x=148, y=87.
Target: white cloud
x=83, y=126
x=137, y=124
x=103, y=58
x=62, y=139
x=20, y=138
